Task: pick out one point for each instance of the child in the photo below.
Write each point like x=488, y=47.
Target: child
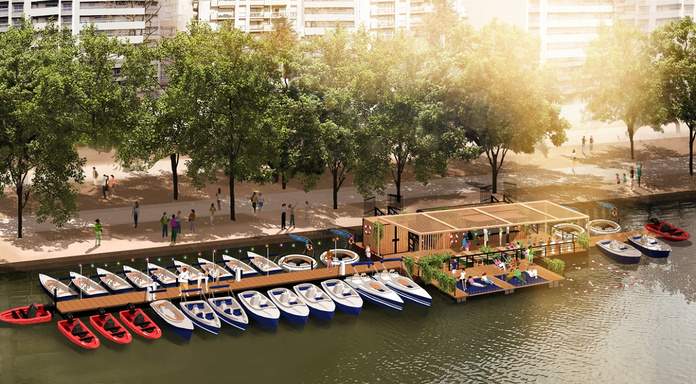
x=625, y=180
x=618, y=179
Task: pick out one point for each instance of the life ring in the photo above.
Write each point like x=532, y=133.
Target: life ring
x=309, y=247
x=351, y=240
x=614, y=213
x=368, y=229
x=454, y=238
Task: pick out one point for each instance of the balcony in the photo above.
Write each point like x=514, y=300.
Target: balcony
x=256, y=15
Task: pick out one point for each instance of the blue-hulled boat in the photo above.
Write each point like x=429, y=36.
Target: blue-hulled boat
x=165, y=277
x=229, y=310
x=290, y=306
x=235, y=266
x=650, y=246
x=55, y=288
x=113, y=282
x=262, y=264
x=406, y=288
x=346, y=299
x=89, y=287
x=620, y=252
x=173, y=316
x=201, y=314
x=319, y=303
x=375, y=292
x=260, y=308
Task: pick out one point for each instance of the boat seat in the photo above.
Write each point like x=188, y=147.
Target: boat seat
x=311, y=292
x=78, y=330
x=338, y=289
x=139, y=319
x=284, y=297
x=109, y=324
x=31, y=312
x=255, y=301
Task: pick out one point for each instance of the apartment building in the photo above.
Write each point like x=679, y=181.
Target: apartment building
x=133, y=19
x=647, y=15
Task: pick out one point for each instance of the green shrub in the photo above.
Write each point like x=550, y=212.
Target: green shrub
x=584, y=241
x=446, y=282
x=555, y=265
x=409, y=264
x=426, y=271
x=377, y=232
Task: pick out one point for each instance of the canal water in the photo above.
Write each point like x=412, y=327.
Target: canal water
x=583, y=332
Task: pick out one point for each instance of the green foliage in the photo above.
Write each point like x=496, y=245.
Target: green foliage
x=555, y=265
x=427, y=272
x=377, y=232
x=485, y=248
x=409, y=264
x=446, y=282
x=584, y=240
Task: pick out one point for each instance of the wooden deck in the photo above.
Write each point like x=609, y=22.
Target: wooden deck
x=257, y=282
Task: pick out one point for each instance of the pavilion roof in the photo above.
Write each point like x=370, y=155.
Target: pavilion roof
x=485, y=216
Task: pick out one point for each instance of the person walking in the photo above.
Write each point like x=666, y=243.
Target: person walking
x=183, y=281
x=112, y=186
x=291, y=208
x=105, y=185
x=95, y=175
x=260, y=201
x=591, y=143
x=164, y=222
x=218, y=196
x=192, y=221
x=368, y=253
x=307, y=207
x=583, y=145
x=573, y=156
x=254, y=200
x=135, y=213
x=175, y=227
x=97, y=233
x=212, y=214
x=632, y=174
x=178, y=221
x=639, y=173
x=282, y=217
x=618, y=179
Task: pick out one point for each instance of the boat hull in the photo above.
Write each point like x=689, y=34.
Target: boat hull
x=19, y=315
x=117, y=334
x=345, y=302
x=226, y=311
x=175, y=319
x=263, y=265
x=86, y=339
x=656, y=228
x=656, y=250
x=88, y=287
x=263, y=317
x=145, y=328
x=619, y=257
x=297, y=262
x=206, y=319
x=294, y=309
x=320, y=304
x=63, y=291
x=137, y=278
x=387, y=299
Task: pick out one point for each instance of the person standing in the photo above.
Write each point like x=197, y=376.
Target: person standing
x=178, y=221
x=164, y=222
x=218, y=196
x=254, y=201
x=282, y=217
x=105, y=185
x=368, y=252
x=291, y=208
x=175, y=228
x=618, y=179
x=260, y=201
x=573, y=156
x=307, y=207
x=135, y=213
x=183, y=281
x=192, y=221
x=112, y=186
x=329, y=260
x=95, y=175
x=212, y=214
x=639, y=173
x=583, y=145
x=97, y=233
x=632, y=174
x=591, y=143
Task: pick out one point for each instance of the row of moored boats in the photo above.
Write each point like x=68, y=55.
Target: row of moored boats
x=639, y=245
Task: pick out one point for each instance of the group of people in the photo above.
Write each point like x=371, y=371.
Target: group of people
x=636, y=173
x=289, y=208
x=108, y=184
x=174, y=222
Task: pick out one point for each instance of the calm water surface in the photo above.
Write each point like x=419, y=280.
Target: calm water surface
x=639, y=334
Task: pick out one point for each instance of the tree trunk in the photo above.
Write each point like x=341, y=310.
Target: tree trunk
x=283, y=182
x=174, y=159
x=692, y=136
x=232, y=213
x=399, y=170
x=334, y=174
x=493, y=160
x=20, y=195
x=630, y=137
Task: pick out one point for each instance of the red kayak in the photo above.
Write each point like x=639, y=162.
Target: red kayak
x=31, y=314
x=74, y=330
x=111, y=328
x=666, y=230
x=138, y=321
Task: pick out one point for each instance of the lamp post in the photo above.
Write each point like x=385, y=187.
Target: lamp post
x=79, y=287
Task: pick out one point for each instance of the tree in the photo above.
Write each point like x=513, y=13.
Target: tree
x=501, y=97
x=674, y=45
x=37, y=136
x=620, y=81
x=228, y=85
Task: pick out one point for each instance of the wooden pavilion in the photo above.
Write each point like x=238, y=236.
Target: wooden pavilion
x=446, y=229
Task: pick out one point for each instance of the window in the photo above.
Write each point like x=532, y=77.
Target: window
x=17, y=8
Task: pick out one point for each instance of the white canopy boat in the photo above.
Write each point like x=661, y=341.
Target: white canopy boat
x=297, y=262
x=114, y=282
x=139, y=279
x=345, y=297
x=619, y=252
x=173, y=316
x=262, y=264
x=404, y=287
x=290, y=306
x=650, y=246
x=319, y=303
x=229, y=310
x=339, y=255
x=89, y=288
x=211, y=269
x=164, y=276
x=260, y=308
x=193, y=273
x=374, y=291
x=235, y=265
x=56, y=288
x=202, y=315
